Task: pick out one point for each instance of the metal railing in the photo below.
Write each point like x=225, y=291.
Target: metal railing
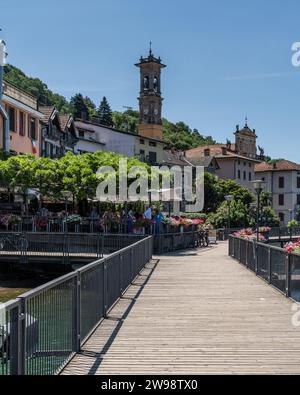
x=278, y=232
x=171, y=242
x=62, y=245
x=65, y=246
x=41, y=330
x=272, y=264
x=62, y=224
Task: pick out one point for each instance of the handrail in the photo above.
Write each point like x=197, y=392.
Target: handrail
x=275, y=266
x=45, y=327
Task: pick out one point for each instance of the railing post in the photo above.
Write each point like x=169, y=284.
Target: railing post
x=16, y=340
x=77, y=313
x=288, y=275
x=120, y=274
x=131, y=264
x=105, y=295
x=255, y=249
x=22, y=337
x=270, y=265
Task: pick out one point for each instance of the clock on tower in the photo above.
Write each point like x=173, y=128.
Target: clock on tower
x=150, y=99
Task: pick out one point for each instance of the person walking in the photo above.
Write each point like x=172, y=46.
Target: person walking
x=158, y=219
x=148, y=218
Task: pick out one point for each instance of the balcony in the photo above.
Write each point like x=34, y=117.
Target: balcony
x=69, y=140
x=52, y=133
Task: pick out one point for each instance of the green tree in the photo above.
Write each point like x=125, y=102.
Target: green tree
x=79, y=107
x=213, y=193
x=91, y=106
x=127, y=121
x=37, y=88
x=104, y=113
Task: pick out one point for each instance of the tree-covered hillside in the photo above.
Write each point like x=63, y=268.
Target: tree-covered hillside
x=37, y=88
x=178, y=135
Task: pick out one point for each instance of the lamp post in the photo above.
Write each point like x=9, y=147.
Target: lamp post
x=258, y=186
x=66, y=195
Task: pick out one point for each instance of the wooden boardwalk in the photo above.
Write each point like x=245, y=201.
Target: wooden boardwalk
x=195, y=313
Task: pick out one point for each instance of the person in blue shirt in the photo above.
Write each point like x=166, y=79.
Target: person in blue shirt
x=158, y=219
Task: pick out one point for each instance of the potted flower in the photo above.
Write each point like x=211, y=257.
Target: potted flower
x=249, y=234
x=41, y=223
x=293, y=248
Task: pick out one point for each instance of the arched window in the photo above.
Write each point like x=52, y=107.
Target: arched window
x=146, y=83
x=155, y=84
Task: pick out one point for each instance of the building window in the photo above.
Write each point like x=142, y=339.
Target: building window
x=281, y=200
x=245, y=175
x=281, y=182
x=298, y=200
x=142, y=152
x=298, y=182
x=250, y=164
x=207, y=152
x=250, y=176
x=142, y=141
x=12, y=119
x=152, y=158
x=32, y=128
x=239, y=162
x=22, y=124
x=239, y=174
x=152, y=144
x=263, y=179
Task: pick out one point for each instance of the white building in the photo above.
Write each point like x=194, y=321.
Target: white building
x=93, y=137
x=283, y=182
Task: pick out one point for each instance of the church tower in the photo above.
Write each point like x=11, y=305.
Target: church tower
x=150, y=99
x=245, y=141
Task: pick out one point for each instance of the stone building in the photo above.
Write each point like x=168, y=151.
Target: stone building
x=236, y=160
x=282, y=180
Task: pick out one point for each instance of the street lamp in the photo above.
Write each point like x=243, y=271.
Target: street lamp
x=229, y=199
x=258, y=186
x=66, y=195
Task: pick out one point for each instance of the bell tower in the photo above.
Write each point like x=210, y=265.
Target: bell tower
x=150, y=99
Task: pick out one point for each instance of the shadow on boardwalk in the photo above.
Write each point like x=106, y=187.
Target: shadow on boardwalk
x=110, y=327
x=195, y=313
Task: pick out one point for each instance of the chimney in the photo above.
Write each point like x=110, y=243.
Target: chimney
x=275, y=166
x=207, y=152
x=224, y=151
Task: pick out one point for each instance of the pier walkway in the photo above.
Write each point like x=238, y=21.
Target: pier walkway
x=196, y=312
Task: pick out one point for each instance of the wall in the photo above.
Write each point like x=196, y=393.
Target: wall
x=147, y=148
x=112, y=140
x=290, y=192
x=23, y=143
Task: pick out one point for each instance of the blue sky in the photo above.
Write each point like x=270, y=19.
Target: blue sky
x=226, y=59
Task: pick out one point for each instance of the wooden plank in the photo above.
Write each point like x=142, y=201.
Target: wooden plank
x=198, y=313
